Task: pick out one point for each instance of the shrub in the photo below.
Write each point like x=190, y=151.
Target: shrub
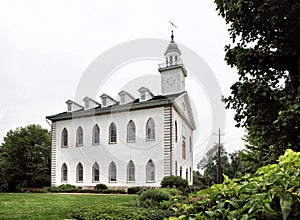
x=101, y=186
x=134, y=190
x=114, y=211
x=62, y=188
x=173, y=181
x=152, y=198
x=113, y=191
x=273, y=193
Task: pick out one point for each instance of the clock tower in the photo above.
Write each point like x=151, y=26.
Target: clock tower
x=172, y=72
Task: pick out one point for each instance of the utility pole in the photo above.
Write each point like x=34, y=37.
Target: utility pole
x=219, y=158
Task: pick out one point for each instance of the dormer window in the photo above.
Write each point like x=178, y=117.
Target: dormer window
x=125, y=97
x=104, y=101
x=90, y=103
x=69, y=107
x=122, y=98
x=107, y=100
x=143, y=96
x=73, y=106
x=86, y=104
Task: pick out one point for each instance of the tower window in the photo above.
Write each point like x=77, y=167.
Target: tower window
x=171, y=60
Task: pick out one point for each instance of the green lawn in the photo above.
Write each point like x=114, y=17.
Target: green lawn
x=51, y=206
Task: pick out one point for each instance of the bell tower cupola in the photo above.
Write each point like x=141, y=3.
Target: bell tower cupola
x=172, y=72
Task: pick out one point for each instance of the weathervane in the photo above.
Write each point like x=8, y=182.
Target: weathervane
x=173, y=25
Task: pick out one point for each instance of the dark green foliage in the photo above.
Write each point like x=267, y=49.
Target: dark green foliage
x=25, y=158
x=68, y=188
x=119, y=212
x=113, y=191
x=152, y=198
x=173, y=181
x=231, y=165
x=134, y=190
x=101, y=186
x=273, y=193
x=266, y=52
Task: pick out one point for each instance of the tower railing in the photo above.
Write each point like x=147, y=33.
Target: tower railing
x=169, y=64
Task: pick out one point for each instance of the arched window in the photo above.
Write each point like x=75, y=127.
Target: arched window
x=183, y=150
x=79, y=137
x=175, y=59
x=171, y=60
x=112, y=133
x=64, y=138
x=191, y=144
x=176, y=168
x=150, y=129
x=187, y=174
x=131, y=131
x=176, y=134
x=96, y=172
x=79, y=173
x=112, y=172
x=130, y=172
x=64, y=173
x=96, y=135
x=180, y=172
x=150, y=171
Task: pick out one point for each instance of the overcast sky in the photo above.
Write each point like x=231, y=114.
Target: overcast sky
x=46, y=46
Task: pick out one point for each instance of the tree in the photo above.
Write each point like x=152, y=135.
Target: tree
x=210, y=164
x=231, y=165
x=25, y=158
x=266, y=52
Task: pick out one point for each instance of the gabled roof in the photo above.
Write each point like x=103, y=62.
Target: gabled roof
x=92, y=100
x=126, y=93
x=145, y=89
x=75, y=103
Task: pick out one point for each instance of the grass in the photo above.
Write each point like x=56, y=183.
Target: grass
x=51, y=206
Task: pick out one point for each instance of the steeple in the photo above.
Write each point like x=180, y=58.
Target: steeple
x=173, y=72
x=172, y=53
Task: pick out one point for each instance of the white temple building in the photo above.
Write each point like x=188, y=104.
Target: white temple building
x=131, y=141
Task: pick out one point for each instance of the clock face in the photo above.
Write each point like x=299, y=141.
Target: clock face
x=170, y=81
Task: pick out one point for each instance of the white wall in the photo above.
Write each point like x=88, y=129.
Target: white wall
x=121, y=153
